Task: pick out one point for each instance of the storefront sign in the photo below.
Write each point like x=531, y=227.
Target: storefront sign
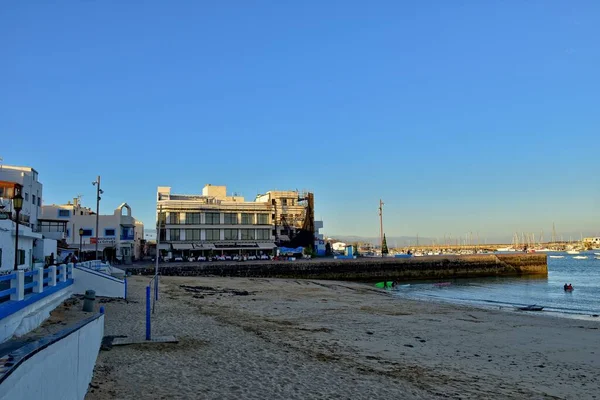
x=101, y=240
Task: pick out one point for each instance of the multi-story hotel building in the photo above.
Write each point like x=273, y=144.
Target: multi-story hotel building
x=215, y=223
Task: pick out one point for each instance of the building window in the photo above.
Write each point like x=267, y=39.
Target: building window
x=247, y=219
x=33, y=199
x=26, y=197
x=162, y=235
x=192, y=234
x=213, y=234
x=174, y=218
x=87, y=232
x=64, y=213
x=231, y=219
x=175, y=234
x=39, y=202
x=192, y=218
x=213, y=218
x=263, y=234
x=68, y=232
x=247, y=234
x=284, y=202
x=21, y=257
x=263, y=219
x=162, y=218
x=0, y=258
x=231, y=234
x=109, y=232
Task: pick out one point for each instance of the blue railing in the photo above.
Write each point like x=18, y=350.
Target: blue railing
x=43, y=282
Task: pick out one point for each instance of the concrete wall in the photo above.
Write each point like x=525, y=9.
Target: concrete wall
x=60, y=371
x=32, y=316
x=370, y=269
x=102, y=284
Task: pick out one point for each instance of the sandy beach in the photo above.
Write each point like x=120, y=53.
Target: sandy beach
x=298, y=339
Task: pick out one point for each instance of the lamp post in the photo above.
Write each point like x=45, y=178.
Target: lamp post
x=18, y=206
x=80, y=239
x=98, y=193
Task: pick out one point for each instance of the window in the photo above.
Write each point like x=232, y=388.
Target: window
x=0, y=258
x=231, y=234
x=192, y=234
x=39, y=202
x=263, y=219
x=64, y=213
x=21, y=257
x=213, y=218
x=247, y=234
x=163, y=235
x=175, y=234
x=284, y=202
x=174, y=218
x=231, y=219
x=213, y=234
x=192, y=218
x=247, y=219
x=109, y=232
x=33, y=198
x=68, y=232
x=263, y=234
x=87, y=232
x=26, y=197
x=162, y=218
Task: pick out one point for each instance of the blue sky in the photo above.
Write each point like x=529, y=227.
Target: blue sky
x=462, y=116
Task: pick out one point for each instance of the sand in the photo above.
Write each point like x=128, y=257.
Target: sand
x=287, y=339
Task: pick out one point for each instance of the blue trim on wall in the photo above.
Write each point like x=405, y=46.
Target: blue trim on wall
x=63, y=216
x=91, y=232
x=11, y=307
x=110, y=229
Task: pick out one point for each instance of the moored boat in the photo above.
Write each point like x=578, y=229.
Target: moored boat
x=580, y=257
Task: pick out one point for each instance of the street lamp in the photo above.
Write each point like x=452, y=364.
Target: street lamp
x=98, y=198
x=18, y=206
x=80, y=238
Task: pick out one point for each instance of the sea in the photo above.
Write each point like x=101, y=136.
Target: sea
x=511, y=292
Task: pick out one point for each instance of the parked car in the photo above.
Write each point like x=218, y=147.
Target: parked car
x=235, y=258
x=178, y=259
x=201, y=258
x=251, y=257
x=264, y=257
x=191, y=259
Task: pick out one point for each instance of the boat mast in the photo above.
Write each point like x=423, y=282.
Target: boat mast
x=381, y=224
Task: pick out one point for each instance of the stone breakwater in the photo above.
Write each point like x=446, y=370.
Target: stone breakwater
x=364, y=269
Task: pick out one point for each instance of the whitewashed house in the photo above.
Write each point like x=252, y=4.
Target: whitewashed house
x=119, y=234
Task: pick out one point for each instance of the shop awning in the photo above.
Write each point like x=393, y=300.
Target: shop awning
x=164, y=246
x=269, y=246
x=204, y=246
x=182, y=246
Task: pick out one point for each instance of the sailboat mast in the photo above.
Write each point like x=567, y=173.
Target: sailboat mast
x=381, y=224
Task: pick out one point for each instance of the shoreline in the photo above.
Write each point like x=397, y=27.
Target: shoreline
x=257, y=338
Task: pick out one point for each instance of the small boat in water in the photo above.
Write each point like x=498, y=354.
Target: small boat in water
x=557, y=256
x=580, y=257
x=573, y=252
x=532, y=307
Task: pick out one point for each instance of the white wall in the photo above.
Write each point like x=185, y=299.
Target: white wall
x=31, y=186
x=61, y=371
x=102, y=284
x=7, y=244
x=32, y=316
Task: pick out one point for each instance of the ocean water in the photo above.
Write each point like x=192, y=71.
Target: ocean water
x=584, y=300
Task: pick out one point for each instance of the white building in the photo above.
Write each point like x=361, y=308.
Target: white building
x=119, y=234
x=215, y=223
x=339, y=247
x=32, y=246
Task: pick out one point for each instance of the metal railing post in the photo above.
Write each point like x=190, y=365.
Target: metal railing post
x=148, y=312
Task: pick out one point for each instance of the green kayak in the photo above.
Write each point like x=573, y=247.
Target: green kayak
x=384, y=285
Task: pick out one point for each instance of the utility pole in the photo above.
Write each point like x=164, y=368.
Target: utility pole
x=381, y=224
x=98, y=193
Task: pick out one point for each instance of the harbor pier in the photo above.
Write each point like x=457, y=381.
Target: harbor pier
x=365, y=269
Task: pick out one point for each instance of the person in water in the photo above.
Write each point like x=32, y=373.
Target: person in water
x=566, y=286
